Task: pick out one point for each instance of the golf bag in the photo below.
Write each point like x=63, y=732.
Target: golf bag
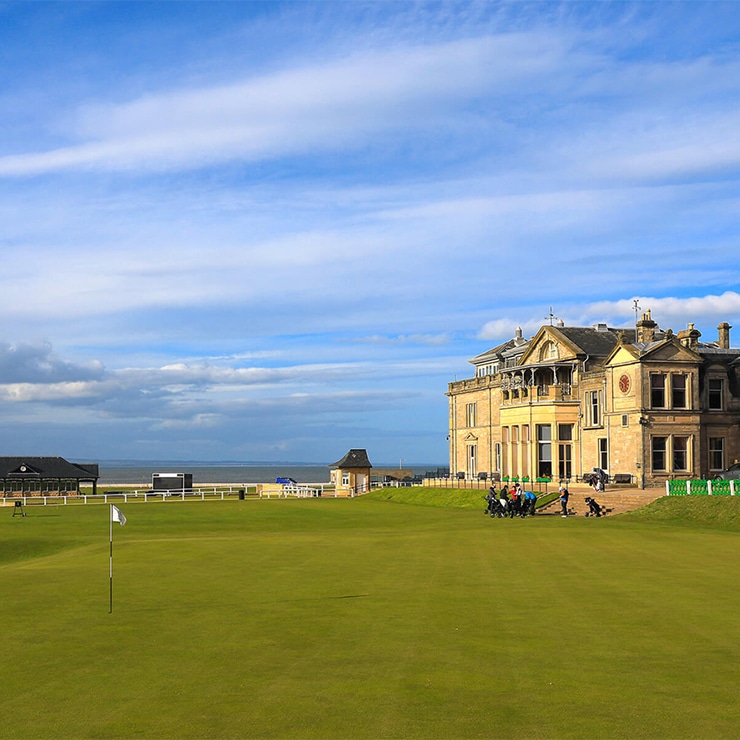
x=528, y=506
x=594, y=508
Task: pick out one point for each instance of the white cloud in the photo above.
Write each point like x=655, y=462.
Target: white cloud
x=675, y=312
x=669, y=312
x=317, y=108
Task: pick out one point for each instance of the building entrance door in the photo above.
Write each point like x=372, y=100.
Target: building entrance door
x=472, y=461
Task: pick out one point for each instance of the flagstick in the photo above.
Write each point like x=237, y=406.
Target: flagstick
x=110, y=597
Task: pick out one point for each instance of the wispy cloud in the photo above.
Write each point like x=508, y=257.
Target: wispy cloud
x=298, y=111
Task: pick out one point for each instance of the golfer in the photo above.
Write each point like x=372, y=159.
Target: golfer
x=564, y=501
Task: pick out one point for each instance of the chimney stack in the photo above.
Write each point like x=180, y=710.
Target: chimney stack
x=724, y=335
x=646, y=328
x=689, y=337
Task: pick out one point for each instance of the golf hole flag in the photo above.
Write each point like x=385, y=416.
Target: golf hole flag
x=116, y=515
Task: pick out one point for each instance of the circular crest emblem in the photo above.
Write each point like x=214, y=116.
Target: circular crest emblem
x=624, y=383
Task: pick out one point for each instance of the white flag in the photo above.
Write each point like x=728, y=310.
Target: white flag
x=116, y=515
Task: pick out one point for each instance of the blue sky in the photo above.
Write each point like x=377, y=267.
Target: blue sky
x=275, y=231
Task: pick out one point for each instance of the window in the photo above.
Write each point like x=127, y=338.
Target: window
x=544, y=451
x=678, y=391
x=593, y=408
x=657, y=391
x=565, y=432
x=659, y=445
x=525, y=450
x=484, y=370
x=716, y=453
x=345, y=478
x=565, y=462
x=603, y=453
x=549, y=352
x=680, y=453
x=470, y=414
x=625, y=420
x=498, y=456
x=716, y=394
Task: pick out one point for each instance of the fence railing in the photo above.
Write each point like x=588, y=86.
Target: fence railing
x=314, y=490
x=145, y=495
x=700, y=487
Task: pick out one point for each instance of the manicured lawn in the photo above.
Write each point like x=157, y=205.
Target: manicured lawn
x=322, y=618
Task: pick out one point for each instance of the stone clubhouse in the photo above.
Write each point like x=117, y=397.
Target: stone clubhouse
x=644, y=405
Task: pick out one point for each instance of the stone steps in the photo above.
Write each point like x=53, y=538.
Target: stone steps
x=615, y=502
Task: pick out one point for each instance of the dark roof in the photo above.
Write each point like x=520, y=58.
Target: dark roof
x=494, y=353
x=596, y=342
x=46, y=467
x=719, y=354
x=354, y=459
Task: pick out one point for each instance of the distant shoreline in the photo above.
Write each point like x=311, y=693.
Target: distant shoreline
x=210, y=474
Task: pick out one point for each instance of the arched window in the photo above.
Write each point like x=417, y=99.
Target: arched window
x=549, y=352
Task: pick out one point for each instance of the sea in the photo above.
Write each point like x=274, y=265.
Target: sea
x=132, y=472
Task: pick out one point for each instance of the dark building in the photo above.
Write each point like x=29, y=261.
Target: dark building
x=45, y=475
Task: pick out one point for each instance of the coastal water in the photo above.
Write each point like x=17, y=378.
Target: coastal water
x=133, y=472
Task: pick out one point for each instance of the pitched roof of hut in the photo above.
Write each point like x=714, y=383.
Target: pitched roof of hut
x=353, y=459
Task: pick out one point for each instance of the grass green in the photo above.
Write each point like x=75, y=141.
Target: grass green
x=323, y=618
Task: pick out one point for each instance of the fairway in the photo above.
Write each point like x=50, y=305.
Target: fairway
x=322, y=618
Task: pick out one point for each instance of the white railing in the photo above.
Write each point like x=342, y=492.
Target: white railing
x=315, y=490
x=146, y=495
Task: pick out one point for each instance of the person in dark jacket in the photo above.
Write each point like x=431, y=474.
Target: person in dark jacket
x=564, y=501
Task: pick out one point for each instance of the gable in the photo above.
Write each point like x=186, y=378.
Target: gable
x=24, y=470
x=549, y=345
x=624, y=354
x=671, y=351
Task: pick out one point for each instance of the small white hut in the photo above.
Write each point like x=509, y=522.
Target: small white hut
x=351, y=474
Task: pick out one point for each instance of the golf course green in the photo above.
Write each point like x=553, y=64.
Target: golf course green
x=370, y=618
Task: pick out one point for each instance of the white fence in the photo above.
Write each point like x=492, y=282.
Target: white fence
x=315, y=490
x=220, y=493
x=196, y=494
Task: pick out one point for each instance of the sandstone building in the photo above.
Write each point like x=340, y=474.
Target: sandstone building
x=643, y=403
